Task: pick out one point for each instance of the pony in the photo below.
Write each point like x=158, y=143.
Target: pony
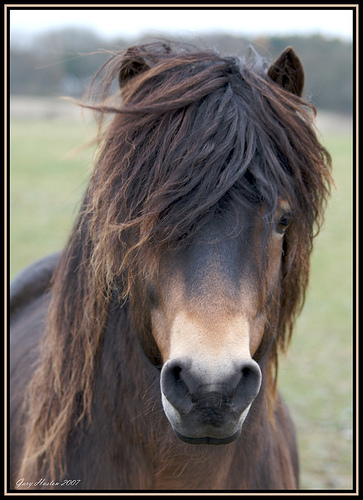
x=144, y=356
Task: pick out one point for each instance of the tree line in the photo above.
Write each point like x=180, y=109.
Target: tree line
x=63, y=62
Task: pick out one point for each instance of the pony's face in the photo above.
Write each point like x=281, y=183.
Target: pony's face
x=212, y=140
x=209, y=308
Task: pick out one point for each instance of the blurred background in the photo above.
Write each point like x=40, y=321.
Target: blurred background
x=55, y=52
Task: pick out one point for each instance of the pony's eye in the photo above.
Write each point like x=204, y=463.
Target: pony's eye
x=283, y=223
x=152, y=295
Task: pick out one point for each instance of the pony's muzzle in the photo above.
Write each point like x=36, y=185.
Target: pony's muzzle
x=208, y=410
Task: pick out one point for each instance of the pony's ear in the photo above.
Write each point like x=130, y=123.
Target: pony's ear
x=287, y=71
x=133, y=64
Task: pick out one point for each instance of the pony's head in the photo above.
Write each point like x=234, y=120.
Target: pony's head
x=202, y=210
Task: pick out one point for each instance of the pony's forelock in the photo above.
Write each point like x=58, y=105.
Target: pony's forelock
x=193, y=127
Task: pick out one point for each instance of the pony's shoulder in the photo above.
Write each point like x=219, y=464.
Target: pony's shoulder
x=32, y=281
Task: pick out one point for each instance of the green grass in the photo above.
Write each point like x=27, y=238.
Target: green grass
x=47, y=182
x=316, y=376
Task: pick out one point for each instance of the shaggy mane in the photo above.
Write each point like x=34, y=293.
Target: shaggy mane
x=189, y=129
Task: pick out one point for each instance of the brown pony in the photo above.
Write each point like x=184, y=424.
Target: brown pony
x=144, y=357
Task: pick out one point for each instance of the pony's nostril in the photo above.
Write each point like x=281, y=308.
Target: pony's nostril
x=173, y=385
x=248, y=385
x=180, y=385
x=176, y=371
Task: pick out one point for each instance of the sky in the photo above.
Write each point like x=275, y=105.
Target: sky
x=133, y=22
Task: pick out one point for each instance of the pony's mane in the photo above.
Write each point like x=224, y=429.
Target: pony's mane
x=190, y=129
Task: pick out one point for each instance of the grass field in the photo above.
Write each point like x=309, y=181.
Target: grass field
x=47, y=181
x=316, y=376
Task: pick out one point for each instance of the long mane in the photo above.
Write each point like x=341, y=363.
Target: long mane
x=189, y=129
